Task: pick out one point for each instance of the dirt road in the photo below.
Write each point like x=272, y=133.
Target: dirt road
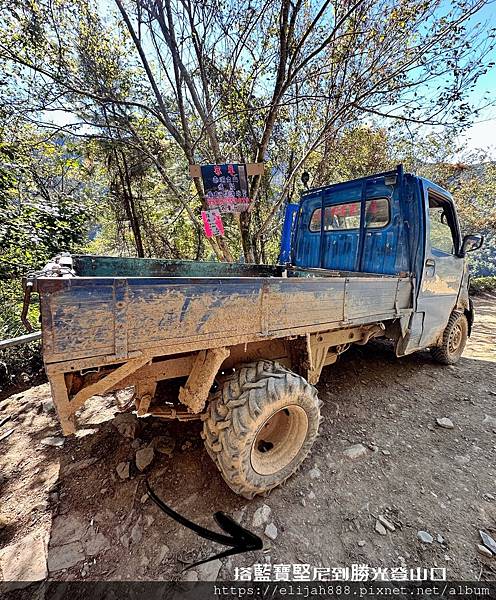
x=66, y=502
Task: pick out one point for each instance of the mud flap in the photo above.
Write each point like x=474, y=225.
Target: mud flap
x=411, y=341
x=470, y=315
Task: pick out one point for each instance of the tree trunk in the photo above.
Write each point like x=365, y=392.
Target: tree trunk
x=244, y=228
x=135, y=225
x=128, y=201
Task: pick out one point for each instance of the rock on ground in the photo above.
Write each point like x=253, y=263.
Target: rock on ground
x=271, y=531
x=57, y=442
x=379, y=527
x=425, y=537
x=79, y=465
x=314, y=473
x=25, y=561
x=144, y=457
x=164, y=444
x=387, y=524
x=123, y=470
x=136, y=533
x=190, y=575
x=64, y=557
x=208, y=571
x=48, y=406
x=71, y=541
x=162, y=554
x=445, y=423
x=488, y=420
x=261, y=515
x=126, y=424
x=355, y=451
x=484, y=551
x=94, y=542
x=66, y=529
x=488, y=541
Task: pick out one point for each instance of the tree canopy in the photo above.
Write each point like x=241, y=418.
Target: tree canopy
x=104, y=105
x=283, y=82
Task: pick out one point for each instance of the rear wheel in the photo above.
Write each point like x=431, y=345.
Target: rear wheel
x=454, y=339
x=260, y=426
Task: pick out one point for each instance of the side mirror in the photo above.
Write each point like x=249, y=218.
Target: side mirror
x=471, y=243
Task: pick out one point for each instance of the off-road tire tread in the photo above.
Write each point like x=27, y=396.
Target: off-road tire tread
x=441, y=353
x=233, y=409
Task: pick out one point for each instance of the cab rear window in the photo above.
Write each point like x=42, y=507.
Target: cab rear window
x=346, y=216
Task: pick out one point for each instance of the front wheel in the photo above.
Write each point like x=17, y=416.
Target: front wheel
x=260, y=426
x=454, y=339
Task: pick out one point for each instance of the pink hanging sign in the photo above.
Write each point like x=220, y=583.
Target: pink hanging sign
x=212, y=223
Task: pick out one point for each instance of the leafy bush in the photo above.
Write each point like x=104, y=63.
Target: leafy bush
x=479, y=285
x=44, y=193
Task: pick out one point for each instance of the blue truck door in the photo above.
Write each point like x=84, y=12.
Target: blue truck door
x=442, y=270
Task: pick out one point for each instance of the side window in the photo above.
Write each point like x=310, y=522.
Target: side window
x=340, y=217
x=441, y=233
x=315, y=220
x=377, y=212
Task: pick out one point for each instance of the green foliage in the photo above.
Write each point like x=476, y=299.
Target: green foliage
x=43, y=205
x=483, y=262
x=480, y=285
x=275, y=81
x=471, y=182
x=44, y=199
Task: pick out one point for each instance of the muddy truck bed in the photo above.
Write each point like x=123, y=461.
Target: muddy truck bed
x=119, y=308
x=122, y=323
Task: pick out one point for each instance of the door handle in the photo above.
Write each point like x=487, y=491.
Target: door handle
x=430, y=262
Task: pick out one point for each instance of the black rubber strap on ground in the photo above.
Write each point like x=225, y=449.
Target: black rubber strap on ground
x=240, y=539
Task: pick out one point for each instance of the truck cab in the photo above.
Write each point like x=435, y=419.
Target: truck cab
x=391, y=223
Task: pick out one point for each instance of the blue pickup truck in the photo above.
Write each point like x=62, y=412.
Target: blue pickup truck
x=381, y=256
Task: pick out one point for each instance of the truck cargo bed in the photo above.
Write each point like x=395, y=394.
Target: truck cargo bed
x=108, y=311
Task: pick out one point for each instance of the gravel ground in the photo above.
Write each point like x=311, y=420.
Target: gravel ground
x=385, y=485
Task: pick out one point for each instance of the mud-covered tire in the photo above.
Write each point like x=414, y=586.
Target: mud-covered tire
x=261, y=400
x=454, y=339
